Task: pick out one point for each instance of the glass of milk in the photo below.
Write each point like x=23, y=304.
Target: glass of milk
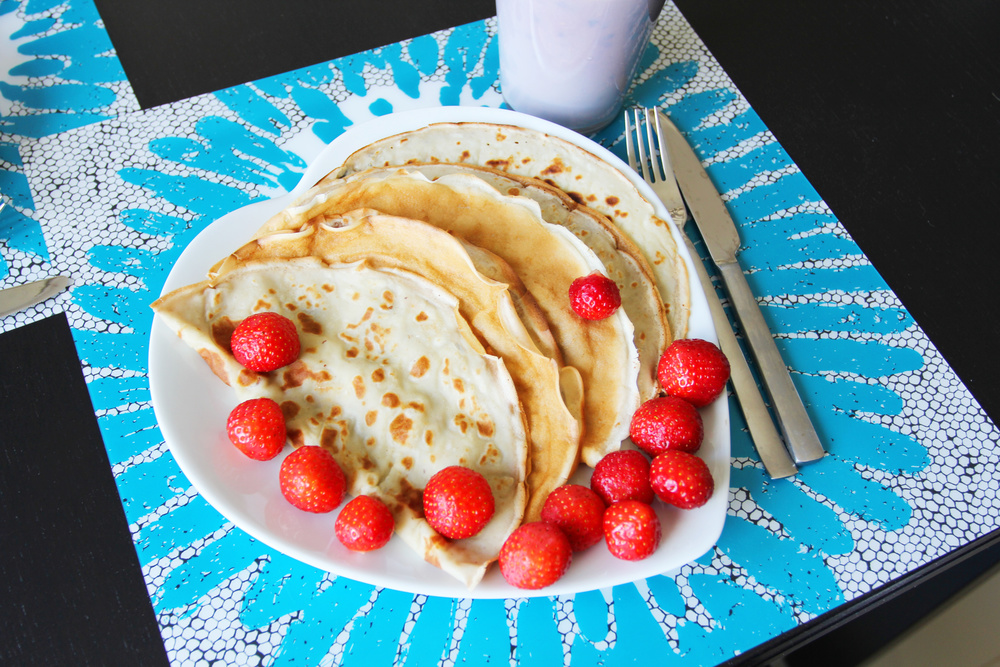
x=571, y=61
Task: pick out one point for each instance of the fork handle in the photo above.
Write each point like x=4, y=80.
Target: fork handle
x=800, y=435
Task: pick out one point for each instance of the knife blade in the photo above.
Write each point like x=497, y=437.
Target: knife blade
x=13, y=299
x=722, y=240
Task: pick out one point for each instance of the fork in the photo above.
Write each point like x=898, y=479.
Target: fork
x=653, y=164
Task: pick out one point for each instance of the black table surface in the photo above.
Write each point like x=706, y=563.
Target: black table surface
x=890, y=108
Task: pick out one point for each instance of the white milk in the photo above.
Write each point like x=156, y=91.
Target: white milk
x=571, y=61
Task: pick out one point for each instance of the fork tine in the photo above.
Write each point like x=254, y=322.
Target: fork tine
x=640, y=122
x=629, y=146
x=655, y=162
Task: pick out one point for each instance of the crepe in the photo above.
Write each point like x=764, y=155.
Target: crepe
x=578, y=172
x=391, y=380
x=623, y=261
x=546, y=257
x=488, y=305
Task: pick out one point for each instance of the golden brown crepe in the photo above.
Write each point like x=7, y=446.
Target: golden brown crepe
x=391, y=379
x=391, y=242
x=623, y=261
x=578, y=172
x=546, y=257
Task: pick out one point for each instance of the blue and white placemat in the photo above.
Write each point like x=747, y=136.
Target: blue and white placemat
x=114, y=194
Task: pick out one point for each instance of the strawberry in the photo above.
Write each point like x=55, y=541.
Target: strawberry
x=666, y=422
x=622, y=475
x=681, y=479
x=257, y=428
x=578, y=511
x=535, y=555
x=265, y=342
x=458, y=502
x=365, y=524
x=594, y=297
x=311, y=479
x=631, y=530
x=693, y=369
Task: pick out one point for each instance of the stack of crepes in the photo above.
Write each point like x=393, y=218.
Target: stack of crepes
x=428, y=277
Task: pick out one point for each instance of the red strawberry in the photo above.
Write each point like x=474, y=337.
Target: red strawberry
x=681, y=479
x=666, y=422
x=632, y=530
x=257, y=428
x=265, y=342
x=535, y=555
x=622, y=475
x=693, y=369
x=594, y=297
x=458, y=502
x=365, y=524
x=578, y=511
x=311, y=479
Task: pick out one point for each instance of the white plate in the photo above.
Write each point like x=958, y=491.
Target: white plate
x=191, y=405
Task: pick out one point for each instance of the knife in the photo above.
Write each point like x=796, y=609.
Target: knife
x=13, y=299
x=722, y=240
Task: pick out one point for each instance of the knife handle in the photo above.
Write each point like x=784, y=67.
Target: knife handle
x=766, y=439
x=800, y=435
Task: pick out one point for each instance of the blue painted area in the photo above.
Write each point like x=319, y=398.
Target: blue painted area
x=83, y=45
x=538, y=641
x=177, y=529
x=848, y=395
x=380, y=107
x=107, y=393
x=38, y=6
x=840, y=482
x=230, y=150
x=375, y=637
x=145, y=487
x=484, y=640
x=638, y=637
x=20, y=232
x=33, y=28
x=210, y=199
x=592, y=615
x=741, y=619
x=858, y=441
x=320, y=610
x=836, y=317
x=38, y=68
x=127, y=351
x=462, y=52
x=810, y=355
x=431, y=635
x=424, y=54
x=816, y=526
x=782, y=564
x=216, y=562
x=113, y=304
x=129, y=434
